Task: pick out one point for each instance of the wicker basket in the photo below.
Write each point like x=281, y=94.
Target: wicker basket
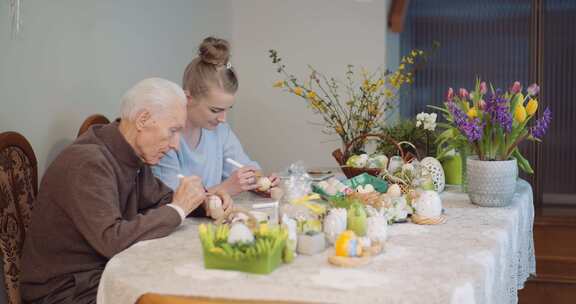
x=342, y=156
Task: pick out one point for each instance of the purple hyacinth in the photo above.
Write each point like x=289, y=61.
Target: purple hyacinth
x=539, y=129
x=497, y=108
x=472, y=129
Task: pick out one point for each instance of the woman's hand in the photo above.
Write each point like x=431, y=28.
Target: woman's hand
x=274, y=179
x=243, y=179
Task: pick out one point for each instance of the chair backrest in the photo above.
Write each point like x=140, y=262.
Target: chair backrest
x=18, y=189
x=95, y=119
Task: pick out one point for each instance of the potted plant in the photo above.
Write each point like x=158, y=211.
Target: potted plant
x=491, y=124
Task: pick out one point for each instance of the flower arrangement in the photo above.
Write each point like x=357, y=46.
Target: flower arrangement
x=492, y=123
x=350, y=109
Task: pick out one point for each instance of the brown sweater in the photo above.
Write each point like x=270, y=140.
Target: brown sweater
x=96, y=199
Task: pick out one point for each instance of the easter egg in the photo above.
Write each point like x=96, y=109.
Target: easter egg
x=428, y=204
x=435, y=169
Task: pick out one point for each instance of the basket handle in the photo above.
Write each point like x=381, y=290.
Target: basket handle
x=382, y=136
x=412, y=146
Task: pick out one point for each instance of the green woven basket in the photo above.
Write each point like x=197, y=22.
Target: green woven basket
x=261, y=256
x=260, y=265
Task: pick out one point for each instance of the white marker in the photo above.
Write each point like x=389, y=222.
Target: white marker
x=234, y=163
x=265, y=205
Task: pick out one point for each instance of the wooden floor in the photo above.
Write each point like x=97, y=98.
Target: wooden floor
x=555, y=244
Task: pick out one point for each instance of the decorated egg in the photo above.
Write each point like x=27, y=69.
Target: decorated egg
x=377, y=228
x=335, y=223
x=357, y=161
x=395, y=164
x=264, y=183
x=378, y=161
x=347, y=245
x=394, y=191
x=240, y=233
x=215, y=207
x=435, y=169
x=357, y=219
x=428, y=204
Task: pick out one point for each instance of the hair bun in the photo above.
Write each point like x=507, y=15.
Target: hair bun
x=214, y=51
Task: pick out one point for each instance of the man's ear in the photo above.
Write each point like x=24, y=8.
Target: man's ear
x=143, y=119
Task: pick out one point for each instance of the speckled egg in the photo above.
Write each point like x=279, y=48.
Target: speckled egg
x=428, y=204
x=435, y=169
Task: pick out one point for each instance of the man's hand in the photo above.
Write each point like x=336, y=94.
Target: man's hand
x=190, y=194
x=227, y=203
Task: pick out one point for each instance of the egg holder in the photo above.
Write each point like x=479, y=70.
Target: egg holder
x=350, y=172
x=367, y=253
x=420, y=220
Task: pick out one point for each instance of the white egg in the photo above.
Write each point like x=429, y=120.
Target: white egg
x=335, y=223
x=395, y=163
x=394, y=190
x=264, y=184
x=215, y=207
x=377, y=228
x=428, y=204
x=240, y=233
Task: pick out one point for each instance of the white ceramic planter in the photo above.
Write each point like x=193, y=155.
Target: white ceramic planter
x=491, y=183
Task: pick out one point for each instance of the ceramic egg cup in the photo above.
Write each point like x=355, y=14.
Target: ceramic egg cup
x=420, y=220
x=367, y=254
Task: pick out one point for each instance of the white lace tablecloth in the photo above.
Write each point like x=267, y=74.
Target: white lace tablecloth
x=481, y=255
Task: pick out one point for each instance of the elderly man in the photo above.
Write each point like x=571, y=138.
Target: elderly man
x=99, y=197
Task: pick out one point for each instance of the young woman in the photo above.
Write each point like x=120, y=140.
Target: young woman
x=210, y=84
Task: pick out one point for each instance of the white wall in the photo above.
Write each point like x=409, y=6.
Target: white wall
x=77, y=57
x=272, y=124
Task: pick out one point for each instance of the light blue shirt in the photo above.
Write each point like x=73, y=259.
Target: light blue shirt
x=206, y=161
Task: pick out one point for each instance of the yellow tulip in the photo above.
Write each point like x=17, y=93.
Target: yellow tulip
x=472, y=113
x=520, y=113
x=298, y=91
x=532, y=106
x=279, y=84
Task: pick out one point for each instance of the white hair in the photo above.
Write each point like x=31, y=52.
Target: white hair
x=152, y=94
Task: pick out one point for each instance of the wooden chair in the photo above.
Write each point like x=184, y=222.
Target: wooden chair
x=152, y=298
x=18, y=189
x=95, y=119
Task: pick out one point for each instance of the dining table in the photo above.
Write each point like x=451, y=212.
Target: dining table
x=479, y=255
